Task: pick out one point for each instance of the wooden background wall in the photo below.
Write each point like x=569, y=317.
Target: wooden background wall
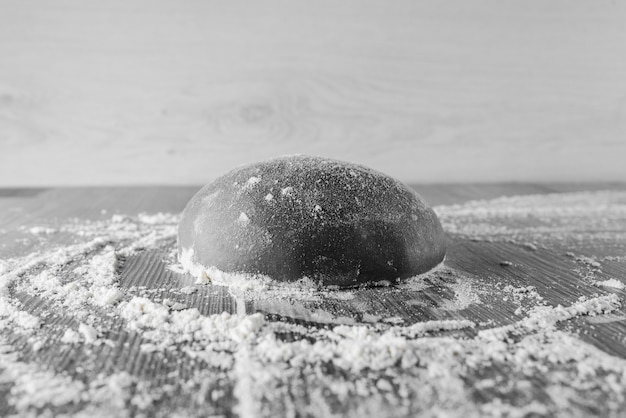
x=177, y=92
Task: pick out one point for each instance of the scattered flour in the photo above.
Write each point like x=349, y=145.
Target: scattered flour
x=21, y=319
x=421, y=328
x=287, y=191
x=70, y=337
x=530, y=246
x=589, y=261
x=613, y=283
x=9, y=309
x=443, y=367
x=243, y=219
x=212, y=275
x=252, y=181
x=89, y=333
x=543, y=217
x=465, y=295
x=524, y=297
x=34, y=388
x=252, y=286
x=41, y=230
x=545, y=316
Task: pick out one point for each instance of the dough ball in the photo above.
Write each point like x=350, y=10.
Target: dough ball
x=292, y=217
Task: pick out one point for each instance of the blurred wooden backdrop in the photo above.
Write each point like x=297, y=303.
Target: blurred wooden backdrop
x=177, y=92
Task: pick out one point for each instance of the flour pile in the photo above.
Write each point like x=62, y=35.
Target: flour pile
x=81, y=338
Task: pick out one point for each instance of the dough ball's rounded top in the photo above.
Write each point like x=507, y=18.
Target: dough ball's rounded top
x=293, y=217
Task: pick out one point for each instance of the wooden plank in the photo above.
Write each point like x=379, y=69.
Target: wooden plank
x=475, y=285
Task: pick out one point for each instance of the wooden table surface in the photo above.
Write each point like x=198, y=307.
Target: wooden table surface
x=549, y=242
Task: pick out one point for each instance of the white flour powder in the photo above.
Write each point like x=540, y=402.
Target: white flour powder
x=374, y=365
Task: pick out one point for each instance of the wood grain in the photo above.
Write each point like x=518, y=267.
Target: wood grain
x=143, y=92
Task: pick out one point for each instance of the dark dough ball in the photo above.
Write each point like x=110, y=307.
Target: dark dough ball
x=334, y=222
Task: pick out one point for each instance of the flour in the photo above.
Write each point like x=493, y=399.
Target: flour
x=252, y=181
x=522, y=296
x=465, y=295
x=287, y=191
x=589, y=261
x=111, y=391
x=252, y=286
x=211, y=275
x=9, y=309
x=243, y=219
x=41, y=230
x=89, y=333
x=35, y=388
x=262, y=287
x=613, y=283
x=600, y=203
x=379, y=366
x=591, y=268
x=21, y=319
x=71, y=337
x=422, y=328
x=543, y=317
x=548, y=216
